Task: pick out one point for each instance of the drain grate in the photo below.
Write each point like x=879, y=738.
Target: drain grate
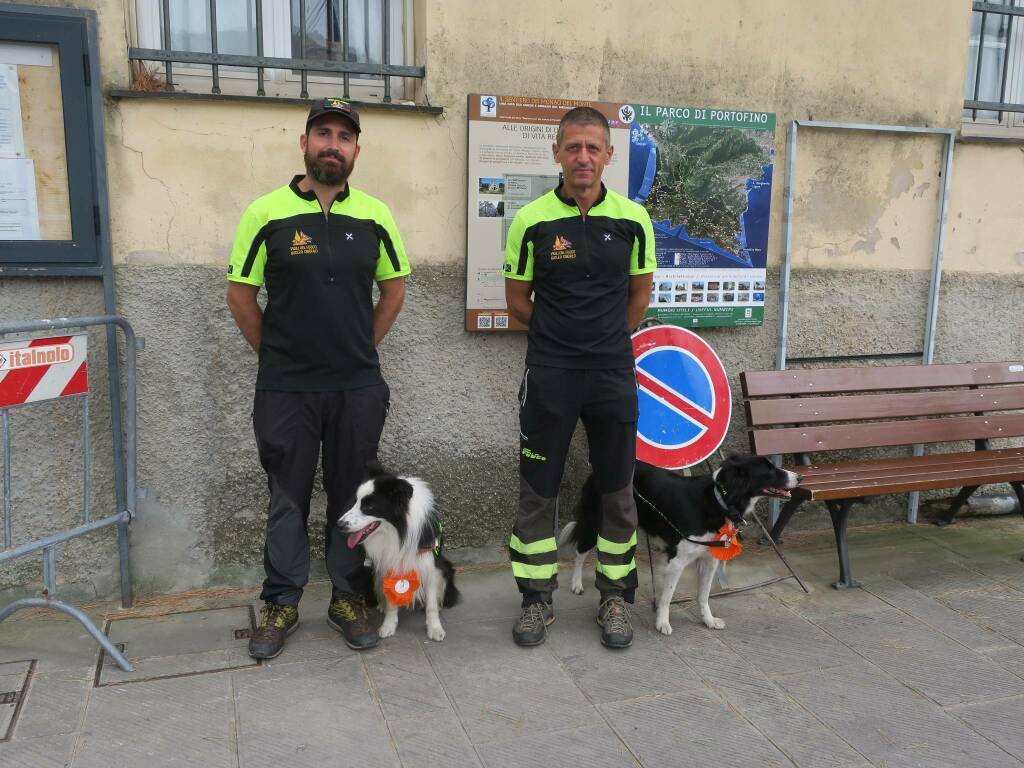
x=179, y=644
x=12, y=701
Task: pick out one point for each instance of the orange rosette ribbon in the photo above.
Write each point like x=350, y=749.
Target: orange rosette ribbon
x=727, y=533
x=400, y=588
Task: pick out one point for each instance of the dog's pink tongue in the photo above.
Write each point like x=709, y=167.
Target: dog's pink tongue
x=353, y=539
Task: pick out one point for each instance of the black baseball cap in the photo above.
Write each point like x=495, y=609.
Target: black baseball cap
x=333, y=106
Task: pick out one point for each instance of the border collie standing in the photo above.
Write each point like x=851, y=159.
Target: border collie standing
x=678, y=512
x=395, y=520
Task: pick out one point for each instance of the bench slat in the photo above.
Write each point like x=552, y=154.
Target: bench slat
x=867, y=379
x=838, y=437
x=811, y=410
x=880, y=474
x=908, y=464
x=911, y=482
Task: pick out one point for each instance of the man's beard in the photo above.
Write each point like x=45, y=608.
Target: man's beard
x=328, y=175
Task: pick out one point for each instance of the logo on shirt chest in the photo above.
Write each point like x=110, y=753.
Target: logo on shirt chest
x=562, y=249
x=302, y=244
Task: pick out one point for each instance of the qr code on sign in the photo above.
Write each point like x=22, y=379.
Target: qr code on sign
x=483, y=322
x=501, y=321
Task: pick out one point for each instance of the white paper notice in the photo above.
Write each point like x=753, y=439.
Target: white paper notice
x=33, y=54
x=19, y=212
x=12, y=140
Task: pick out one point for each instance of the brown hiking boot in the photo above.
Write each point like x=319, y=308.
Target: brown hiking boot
x=276, y=623
x=348, y=614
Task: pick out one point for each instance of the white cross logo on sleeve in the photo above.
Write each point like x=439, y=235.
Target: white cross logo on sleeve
x=349, y=236
x=607, y=237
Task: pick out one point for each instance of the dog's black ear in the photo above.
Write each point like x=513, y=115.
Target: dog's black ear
x=734, y=465
x=374, y=469
x=738, y=457
x=734, y=475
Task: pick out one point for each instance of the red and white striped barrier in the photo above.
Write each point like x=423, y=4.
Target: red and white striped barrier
x=43, y=369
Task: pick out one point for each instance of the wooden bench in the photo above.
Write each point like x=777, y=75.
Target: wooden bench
x=805, y=412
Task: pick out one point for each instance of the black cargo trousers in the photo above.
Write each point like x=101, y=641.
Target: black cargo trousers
x=291, y=428
x=551, y=401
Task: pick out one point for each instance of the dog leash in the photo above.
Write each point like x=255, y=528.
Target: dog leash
x=718, y=543
x=713, y=543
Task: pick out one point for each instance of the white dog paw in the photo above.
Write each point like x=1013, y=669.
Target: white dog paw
x=663, y=626
x=714, y=623
x=387, y=629
x=576, y=589
x=436, y=633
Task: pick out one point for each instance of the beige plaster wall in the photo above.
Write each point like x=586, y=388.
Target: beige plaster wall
x=180, y=173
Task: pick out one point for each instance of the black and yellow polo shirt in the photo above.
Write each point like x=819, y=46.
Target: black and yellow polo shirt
x=319, y=272
x=580, y=269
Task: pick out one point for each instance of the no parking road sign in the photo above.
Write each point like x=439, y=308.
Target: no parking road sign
x=684, y=397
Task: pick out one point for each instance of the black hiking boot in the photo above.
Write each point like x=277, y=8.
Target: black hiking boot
x=276, y=623
x=613, y=616
x=348, y=614
x=529, y=629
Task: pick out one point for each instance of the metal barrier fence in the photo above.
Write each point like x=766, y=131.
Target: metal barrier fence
x=124, y=458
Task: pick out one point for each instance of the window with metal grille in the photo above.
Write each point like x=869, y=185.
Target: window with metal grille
x=360, y=49
x=994, y=89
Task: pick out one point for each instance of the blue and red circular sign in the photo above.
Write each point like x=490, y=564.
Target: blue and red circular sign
x=684, y=397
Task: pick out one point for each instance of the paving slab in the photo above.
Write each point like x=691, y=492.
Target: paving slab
x=58, y=643
x=775, y=639
x=1010, y=658
x=181, y=722
x=45, y=752
x=310, y=714
x=603, y=674
x=763, y=702
x=936, y=615
x=916, y=655
x=54, y=704
x=12, y=693
x=403, y=679
x=433, y=740
x=691, y=728
x=998, y=721
x=994, y=607
x=500, y=690
x=889, y=723
x=594, y=746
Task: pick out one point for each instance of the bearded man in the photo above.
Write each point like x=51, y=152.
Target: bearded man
x=318, y=245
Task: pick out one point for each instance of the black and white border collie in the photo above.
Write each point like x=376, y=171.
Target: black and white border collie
x=672, y=508
x=395, y=520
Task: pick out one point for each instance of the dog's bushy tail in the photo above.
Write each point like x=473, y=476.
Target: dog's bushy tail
x=568, y=534
x=581, y=531
x=452, y=596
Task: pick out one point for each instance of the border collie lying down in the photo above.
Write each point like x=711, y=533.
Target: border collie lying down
x=395, y=520
x=672, y=508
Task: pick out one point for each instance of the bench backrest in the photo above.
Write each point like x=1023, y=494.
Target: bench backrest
x=831, y=409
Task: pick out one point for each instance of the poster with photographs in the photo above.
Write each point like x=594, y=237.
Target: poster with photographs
x=703, y=174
